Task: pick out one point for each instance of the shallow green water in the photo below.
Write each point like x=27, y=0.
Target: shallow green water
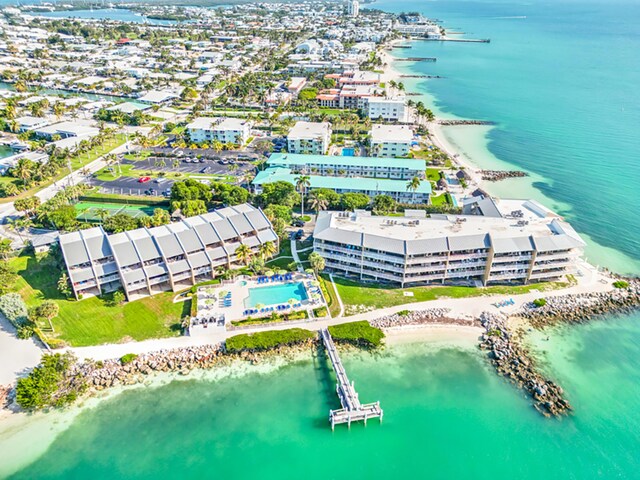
x=446, y=416
x=562, y=85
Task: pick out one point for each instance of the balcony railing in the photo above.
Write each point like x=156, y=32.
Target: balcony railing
x=513, y=258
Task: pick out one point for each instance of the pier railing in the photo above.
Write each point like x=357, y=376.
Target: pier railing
x=352, y=410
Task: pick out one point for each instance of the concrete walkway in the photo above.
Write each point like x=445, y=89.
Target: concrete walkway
x=461, y=308
x=337, y=294
x=296, y=258
x=17, y=357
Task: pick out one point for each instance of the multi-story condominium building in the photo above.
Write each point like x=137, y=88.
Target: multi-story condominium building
x=397, y=189
x=339, y=166
x=225, y=130
x=390, y=109
x=309, y=137
x=353, y=8
x=529, y=244
x=147, y=261
x=391, y=140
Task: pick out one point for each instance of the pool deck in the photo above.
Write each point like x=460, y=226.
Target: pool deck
x=215, y=303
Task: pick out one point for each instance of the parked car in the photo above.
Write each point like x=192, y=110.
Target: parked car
x=298, y=223
x=299, y=234
x=144, y=179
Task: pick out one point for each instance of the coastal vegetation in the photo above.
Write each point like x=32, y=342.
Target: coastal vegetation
x=268, y=340
x=49, y=384
x=360, y=333
x=273, y=318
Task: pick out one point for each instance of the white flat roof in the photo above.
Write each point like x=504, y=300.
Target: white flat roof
x=391, y=134
x=309, y=130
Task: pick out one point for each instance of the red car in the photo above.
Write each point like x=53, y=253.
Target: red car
x=144, y=179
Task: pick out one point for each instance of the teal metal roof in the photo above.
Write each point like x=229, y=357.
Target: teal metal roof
x=284, y=159
x=275, y=174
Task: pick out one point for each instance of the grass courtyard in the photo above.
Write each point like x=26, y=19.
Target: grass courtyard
x=95, y=320
x=354, y=294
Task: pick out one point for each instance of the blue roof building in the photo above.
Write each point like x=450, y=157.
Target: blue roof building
x=397, y=189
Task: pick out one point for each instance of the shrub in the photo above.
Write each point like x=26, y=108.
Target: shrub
x=49, y=385
x=292, y=267
x=539, y=302
x=320, y=312
x=25, y=331
x=357, y=333
x=118, y=298
x=403, y=313
x=267, y=340
x=128, y=358
x=14, y=308
x=621, y=284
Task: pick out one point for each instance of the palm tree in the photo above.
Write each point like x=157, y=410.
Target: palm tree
x=102, y=213
x=217, y=146
x=19, y=224
x=267, y=250
x=244, y=254
x=24, y=170
x=302, y=183
x=413, y=185
x=318, y=203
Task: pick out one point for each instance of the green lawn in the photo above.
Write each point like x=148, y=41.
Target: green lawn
x=330, y=296
x=382, y=296
x=433, y=174
x=94, y=321
x=442, y=199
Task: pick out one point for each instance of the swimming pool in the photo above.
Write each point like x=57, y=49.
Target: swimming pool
x=275, y=294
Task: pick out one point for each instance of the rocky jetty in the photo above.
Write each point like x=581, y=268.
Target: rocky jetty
x=109, y=373
x=497, y=175
x=421, y=76
x=452, y=123
x=513, y=361
x=432, y=316
x=581, y=307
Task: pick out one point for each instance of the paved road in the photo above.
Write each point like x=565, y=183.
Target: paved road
x=8, y=211
x=16, y=356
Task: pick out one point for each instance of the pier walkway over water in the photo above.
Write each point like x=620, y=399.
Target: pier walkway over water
x=352, y=410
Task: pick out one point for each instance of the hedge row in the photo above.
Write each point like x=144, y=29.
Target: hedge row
x=261, y=341
x=357, y=333
x=124, y=200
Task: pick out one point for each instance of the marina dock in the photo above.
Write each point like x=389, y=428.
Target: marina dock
x=352, y=410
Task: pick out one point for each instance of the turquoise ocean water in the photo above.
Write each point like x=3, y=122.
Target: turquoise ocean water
x=562, y=86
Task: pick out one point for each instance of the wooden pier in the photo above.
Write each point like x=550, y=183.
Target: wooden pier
x=352, y=410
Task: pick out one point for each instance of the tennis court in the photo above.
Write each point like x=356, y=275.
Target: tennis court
x=95, y=212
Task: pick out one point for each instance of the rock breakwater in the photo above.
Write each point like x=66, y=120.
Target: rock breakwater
x=581, y=307
x=453, y=123
x=433, y=316
x=109, y=373
x=514, y=362
x=497, y=175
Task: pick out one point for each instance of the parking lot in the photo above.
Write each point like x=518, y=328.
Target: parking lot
x=204, y=170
